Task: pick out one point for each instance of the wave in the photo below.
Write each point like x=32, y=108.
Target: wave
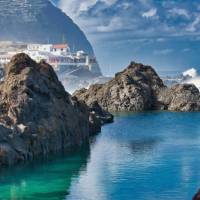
x=195, y=81
x=191, y=73
x=192, y=77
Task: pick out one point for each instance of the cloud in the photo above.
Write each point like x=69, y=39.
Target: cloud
x=160, y=39
x=114, y=24
x=125, y=5
x=151, y=13
x=171, y=28
x=74, y=8
x=186, y=50
x=146, y=3
x=179, y=12
x=193, y=26
x=162, y=51
x=97, y=17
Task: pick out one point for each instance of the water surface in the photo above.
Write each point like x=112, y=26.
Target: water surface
x=146, y=156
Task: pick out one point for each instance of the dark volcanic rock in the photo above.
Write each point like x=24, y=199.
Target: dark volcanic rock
x=134, y=89
x=37, y=116
x=197, y=196
x=104, y=116
x=180, y=97
x=139, y=88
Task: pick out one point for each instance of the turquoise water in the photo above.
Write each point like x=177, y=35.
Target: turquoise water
x=146, y=156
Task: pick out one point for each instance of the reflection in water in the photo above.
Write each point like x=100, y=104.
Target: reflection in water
x=47, y=179
x=109, y=163
x=144, y=145
x=146, y=156
x=128, y=161
x=57, y=194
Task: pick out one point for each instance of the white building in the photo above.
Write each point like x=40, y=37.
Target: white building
x=57, y=55
x=60, y=49
x=39, y=47
x=5, y=58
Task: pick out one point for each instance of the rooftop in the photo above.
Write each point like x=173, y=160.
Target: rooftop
x=60, y=46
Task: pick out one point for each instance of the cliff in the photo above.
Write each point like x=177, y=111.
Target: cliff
x=39, y=21
x=139, y=88
x=37, y=116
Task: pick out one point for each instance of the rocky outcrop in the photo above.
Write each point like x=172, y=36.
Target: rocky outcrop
x=134, y=89
x=180, y=97
x=197, y=196
x=103, y=116
x=139, y=88
x=37, y=116
x=97, y=116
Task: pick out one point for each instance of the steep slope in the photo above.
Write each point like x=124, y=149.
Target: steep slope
x=139, y=88
x=37, y=116
x=39, y=21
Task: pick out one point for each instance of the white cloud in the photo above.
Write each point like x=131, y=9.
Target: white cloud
x=75, y=7
x=186, y=50
x=151, y=13
x=179, y=12
x=109, y=2
x=192, y=27
x=103, y=17
x=114, y=24
x=161, y=39
x=145, y=3
x=125, y=5
x=163, y=51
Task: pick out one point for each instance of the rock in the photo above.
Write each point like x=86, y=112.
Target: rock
x=97, y=116
x=104, y=116
x=197, y=196
x=139, y=88
x=180, y=97
x=134, y=89
x=37, y=116
x=95, y=123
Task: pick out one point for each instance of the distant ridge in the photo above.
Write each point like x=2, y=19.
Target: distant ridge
x=39, y=21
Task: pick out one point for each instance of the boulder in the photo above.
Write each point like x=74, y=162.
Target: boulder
x=134, y=89
x=180, y=97
x=139, y=88
x=37, y=115
x=104, y=116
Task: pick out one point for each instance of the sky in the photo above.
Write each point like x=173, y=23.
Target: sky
x=161, y=33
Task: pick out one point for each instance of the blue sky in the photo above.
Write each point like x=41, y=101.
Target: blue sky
x=164, y=34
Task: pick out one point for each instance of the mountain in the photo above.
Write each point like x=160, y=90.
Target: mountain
x=39, y=21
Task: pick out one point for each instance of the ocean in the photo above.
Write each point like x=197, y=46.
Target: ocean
x=141, y=156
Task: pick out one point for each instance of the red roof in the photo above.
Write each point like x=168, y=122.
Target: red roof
x=60, y=46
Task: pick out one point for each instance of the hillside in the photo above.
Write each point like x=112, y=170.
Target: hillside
x=39, y=21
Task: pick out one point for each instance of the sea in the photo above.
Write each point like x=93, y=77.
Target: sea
x=141, y=156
